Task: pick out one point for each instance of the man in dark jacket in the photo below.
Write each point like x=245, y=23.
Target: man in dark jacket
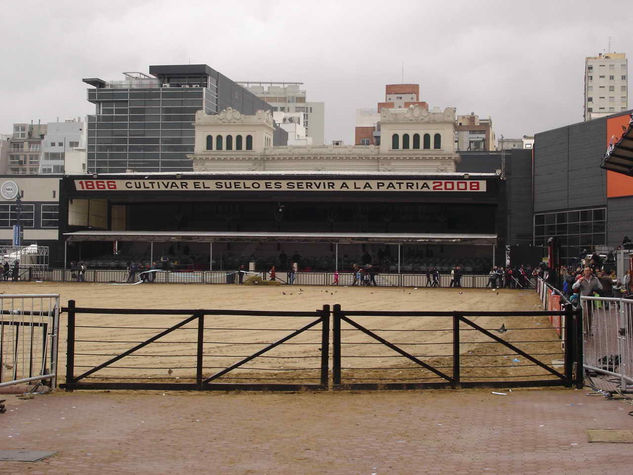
x=16, y=270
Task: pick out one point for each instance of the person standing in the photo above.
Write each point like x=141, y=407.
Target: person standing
x=293, y=272
x=492, y=278
x=452, y=283
x=16, y=270
x=240, y=275
x=273, y=273
x=587, y=285
x=82, y=272
x=429, y=283
x=6, y=271
x=458, y=276
x=132, y=268
x=372, y=275
x=336, y=277
x=436, y=277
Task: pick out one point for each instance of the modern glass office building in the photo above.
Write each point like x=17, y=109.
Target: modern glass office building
x=145, y=122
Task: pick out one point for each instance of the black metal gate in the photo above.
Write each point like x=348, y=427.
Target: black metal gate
x=290, y=350
x=454, y=349
x=203, y=351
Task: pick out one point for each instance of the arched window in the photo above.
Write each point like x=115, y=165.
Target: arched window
x=249, y=142
x=437, y=141
x=238, y=142
x=427, y=141
x=416, y=141
x=405, y=141
x=218, y=142
x=209, y=142
x=229, y=142
x=395, y=141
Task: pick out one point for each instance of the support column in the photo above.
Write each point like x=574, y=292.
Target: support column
x=494, y=248
x=65, y=253
x=211, y=255
x=336, y=257
x=151, y=254
x=399, y=248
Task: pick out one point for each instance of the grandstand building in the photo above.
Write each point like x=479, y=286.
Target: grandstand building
x=400, y=205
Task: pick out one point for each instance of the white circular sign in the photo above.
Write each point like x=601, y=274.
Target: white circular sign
x=9, y=190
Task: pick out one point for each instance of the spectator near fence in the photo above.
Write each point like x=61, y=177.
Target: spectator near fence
x=436, y=277
x=587, y=285
x=6, y=271
x=458, y=276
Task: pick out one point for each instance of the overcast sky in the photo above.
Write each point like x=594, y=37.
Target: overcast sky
x=520, y=63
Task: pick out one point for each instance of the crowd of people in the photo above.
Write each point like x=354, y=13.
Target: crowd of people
x=11, y=272
x=509, y=277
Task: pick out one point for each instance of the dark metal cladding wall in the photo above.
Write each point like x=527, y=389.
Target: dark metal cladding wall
x=479, y=162
x=231, y=94
x=620, y=223
x=519, y=193
x=567, y=173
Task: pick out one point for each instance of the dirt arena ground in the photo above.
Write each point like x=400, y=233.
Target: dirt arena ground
x=350, y=432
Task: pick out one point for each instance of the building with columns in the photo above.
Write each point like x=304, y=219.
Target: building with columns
x=419, y=141
x=471, y=133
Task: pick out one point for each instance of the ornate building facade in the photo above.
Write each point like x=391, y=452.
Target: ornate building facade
x=419, y=142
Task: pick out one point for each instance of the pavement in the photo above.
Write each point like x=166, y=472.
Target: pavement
x=380, y=432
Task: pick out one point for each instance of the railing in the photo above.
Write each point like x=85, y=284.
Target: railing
x=409, y=349
x=196, y=349
x=608, y=337
x=552, y=299
x=290, y=350
x=28, y=338
x=231, y=277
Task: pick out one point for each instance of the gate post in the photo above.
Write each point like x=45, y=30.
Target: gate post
x=580, y=370
x=200, y=349
x=325, y=345
x=70, y=346
x=456, y=362
x=570, y=345
x=336, y=343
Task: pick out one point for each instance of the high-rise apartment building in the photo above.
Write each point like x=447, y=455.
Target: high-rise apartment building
x=606, y=85
x=145, y=122
x=291, y=98
x=25, y=148
x=60, y=139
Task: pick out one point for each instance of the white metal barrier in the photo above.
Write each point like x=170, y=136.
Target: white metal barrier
x=29, y=330
x=608, y=337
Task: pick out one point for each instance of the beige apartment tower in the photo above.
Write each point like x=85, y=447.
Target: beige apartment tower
x=606, y=85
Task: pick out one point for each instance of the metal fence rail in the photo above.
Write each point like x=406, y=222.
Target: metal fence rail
x=376, y=349
x=196, y=349
x=552, y=299
x=28, y=338
x=290, y=350
x=608, y=337
x=231, y=277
